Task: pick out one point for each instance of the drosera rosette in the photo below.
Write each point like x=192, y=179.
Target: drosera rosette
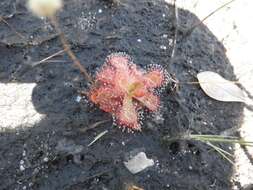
x=124, y=90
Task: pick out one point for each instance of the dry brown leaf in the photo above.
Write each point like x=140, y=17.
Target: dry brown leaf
x=219, y=88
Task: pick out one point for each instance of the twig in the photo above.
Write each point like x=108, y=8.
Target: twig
x=205, y=18
x=98, y=137
x=26, y=42
x=12, y=28
x=94, y=125
x=55, y=61
x=68, y=50
x=235, y=82
x=39, y=41
x=47, y=58
x=83, y=179
x=175, y=34
x=174, y=80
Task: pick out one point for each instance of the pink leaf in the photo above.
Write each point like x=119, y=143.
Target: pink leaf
x=128, y=114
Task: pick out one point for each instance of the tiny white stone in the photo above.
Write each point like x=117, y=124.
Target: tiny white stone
x=164, y=15
x=163, y=47
x=165, y=36
x=138, y=163
x=22, y=168
x=100, y=10
x=78, y=99
x=45, y=159
x=170, y=42
x=139, y=40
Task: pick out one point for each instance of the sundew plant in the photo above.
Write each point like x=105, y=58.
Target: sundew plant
x=124, y=90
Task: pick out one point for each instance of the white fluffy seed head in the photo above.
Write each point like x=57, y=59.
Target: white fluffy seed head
x=44, y=8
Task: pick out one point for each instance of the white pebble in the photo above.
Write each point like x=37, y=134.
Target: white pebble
x=163, y=47
x=100, y=10
x=139, y=40
x=78, y=99
x=22, y=168
x=170, y=42
x=165, y=36
x=138, y=163
x=45, y=159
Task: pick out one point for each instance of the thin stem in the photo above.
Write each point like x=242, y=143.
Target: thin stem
x=221, y=140
x=205, y=18
x=213, y=136
x=176, y=32
x=12, y=28
x=47, y=58
x=94, y=125
x=98, y=137
x=235, y=82
x=221, y=152
x=68, y=50
x=224, y=151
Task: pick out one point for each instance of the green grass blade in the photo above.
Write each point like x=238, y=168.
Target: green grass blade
x=221, y=152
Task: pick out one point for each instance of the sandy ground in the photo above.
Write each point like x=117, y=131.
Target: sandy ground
x=232, y=26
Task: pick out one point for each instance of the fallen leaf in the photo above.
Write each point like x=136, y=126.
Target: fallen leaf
x=219, y=88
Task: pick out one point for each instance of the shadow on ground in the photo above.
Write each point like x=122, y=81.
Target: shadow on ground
x=57, y=156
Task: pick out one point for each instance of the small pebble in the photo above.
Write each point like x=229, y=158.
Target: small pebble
x=139, y=40
x=165, y=36
x=45, y=159
x=100, y=10
x=163, y=47
x=138, y=163
x=78, y=99
x=22, y=168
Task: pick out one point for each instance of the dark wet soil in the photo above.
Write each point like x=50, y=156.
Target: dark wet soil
x=56, y=153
